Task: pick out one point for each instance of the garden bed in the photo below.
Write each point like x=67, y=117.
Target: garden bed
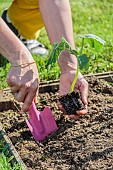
x=84, y=144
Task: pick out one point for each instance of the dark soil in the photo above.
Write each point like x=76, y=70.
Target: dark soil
x=84, y=144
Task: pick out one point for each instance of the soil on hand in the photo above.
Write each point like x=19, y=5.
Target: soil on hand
x=84, y=144
x=71, y=102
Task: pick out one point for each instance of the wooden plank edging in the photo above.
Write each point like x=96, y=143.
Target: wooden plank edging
x=54, y=85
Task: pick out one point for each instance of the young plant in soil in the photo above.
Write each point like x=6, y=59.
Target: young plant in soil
x=72, y=102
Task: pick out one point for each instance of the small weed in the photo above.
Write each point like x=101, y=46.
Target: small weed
x=5, y=159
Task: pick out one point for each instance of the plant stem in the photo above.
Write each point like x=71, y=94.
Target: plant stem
x=82, y=46
x=75, y=79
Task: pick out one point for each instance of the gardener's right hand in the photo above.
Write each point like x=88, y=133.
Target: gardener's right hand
x=81, y=86
x=68, y=66
x=24, y=83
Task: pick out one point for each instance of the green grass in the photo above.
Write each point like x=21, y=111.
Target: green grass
x=89, y=17
x=4, y=4
x=6, y=165
x=95, y=17
x=3, y=72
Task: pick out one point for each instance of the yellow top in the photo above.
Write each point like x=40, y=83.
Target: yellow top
x=26, y=18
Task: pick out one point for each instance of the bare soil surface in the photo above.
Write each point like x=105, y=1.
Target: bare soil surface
x=84, y=144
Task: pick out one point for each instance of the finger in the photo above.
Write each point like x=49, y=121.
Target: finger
x=61, y=107
x=28, y=101
x=74, y=117
x=14, y=89
x=84, y=92
x=21, y=94
x=13, y=81
x=35, y=98
x=15, y=94
x=10, y=80
x=84, y=98
x=82, y=112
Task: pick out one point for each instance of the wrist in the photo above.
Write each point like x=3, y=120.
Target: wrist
x=21, y=58
x=23, y=64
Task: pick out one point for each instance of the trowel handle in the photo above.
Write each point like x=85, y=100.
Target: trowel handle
x=33, y=109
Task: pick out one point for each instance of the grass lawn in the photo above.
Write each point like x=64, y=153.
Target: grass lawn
x=95, y=17
x=89, y=17
x=4, y=4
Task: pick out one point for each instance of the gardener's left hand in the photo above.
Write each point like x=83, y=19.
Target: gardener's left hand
x=81, y=86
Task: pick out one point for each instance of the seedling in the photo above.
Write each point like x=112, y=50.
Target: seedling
x=72, y=102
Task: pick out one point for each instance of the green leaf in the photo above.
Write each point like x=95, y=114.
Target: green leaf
x=74, y=52
x=94, y=41
x=83, y=62
x=5, y=148
x=9, y=159
x=57, y=48
x=53, y=55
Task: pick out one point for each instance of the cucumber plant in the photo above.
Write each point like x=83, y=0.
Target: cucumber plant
x=72, y=102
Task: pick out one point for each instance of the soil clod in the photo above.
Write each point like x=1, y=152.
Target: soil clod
x=71, y=102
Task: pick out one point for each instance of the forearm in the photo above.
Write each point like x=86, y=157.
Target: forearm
x=58, y=22
x=11, y=47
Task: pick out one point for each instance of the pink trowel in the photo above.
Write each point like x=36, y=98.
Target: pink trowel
x=41, y=124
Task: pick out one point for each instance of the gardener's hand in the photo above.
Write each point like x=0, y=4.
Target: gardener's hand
x=81, y=86
x=23, y=75
x=24, y=83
